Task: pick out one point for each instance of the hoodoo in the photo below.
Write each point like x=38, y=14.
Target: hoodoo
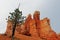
x=32, y=29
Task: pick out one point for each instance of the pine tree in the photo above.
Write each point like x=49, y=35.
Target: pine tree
x=16, y=18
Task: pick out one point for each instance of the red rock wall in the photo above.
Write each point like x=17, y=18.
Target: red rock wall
x=32, y=29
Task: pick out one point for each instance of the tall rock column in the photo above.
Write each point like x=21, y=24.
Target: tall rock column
x=9, y=28
x=27, y=27
x=30, y=26
x=36, y=17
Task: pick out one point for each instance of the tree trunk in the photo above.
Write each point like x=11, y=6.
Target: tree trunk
x=13, y=31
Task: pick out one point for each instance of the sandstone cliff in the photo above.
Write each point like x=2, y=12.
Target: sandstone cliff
x=32, y=29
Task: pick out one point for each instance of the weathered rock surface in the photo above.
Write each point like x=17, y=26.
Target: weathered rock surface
x=45, y=30
x=59, y=36
x=32, y=29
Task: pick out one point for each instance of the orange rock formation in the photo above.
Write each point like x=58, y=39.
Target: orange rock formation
x=32, y=29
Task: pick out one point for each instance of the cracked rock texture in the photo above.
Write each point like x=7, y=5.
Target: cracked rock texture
x=32, y=29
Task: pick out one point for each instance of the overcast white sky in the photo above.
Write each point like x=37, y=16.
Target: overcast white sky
x=48, y=8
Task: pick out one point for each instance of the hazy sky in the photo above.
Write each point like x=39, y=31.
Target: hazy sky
x=47, y=8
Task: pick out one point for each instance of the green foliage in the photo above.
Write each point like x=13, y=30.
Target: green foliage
x=16, y=16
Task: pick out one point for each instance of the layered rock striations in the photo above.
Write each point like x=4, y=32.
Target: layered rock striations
x=32, y=29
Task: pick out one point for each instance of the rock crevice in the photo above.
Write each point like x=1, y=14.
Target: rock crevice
x=32, y=29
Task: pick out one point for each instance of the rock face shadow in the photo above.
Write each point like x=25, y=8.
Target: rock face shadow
x=33, y=29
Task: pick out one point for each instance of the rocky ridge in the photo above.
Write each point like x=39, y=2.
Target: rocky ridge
x=33, y=29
